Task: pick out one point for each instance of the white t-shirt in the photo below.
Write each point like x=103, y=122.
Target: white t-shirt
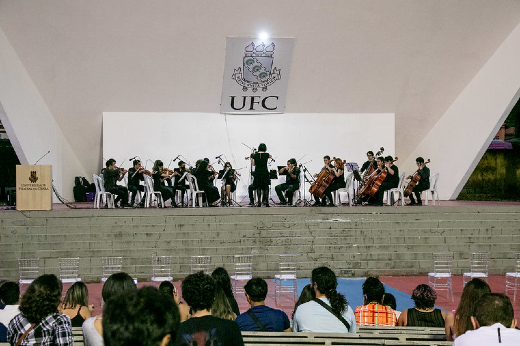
x=489, y=336
x=8, y=313
x=90, y=334
x=312, y=317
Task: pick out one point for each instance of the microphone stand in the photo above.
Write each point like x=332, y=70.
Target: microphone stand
x=306, y=203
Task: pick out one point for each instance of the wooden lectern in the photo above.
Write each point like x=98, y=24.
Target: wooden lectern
x=33, y=187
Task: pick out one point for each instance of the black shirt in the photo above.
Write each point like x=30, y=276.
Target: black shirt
x=208, y=330
x=133, y=177
x=393, y=178
x=295, y=180
x=111, y=176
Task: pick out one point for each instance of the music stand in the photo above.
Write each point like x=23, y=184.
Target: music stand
x=352, y=166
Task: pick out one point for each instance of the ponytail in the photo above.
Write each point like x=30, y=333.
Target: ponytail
x=338, y=302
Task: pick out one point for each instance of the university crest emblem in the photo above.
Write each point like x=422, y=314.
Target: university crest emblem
x=33, y=178
x=258, y=71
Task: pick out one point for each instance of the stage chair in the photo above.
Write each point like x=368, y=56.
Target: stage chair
x=111, y=265
x=101, y=194
x=161, y=268
x=513, y=279
x=479, y=267
x=68, y=272
x=28, y=270
x=440, y=278
x=286, y=272
x=194, y=191
x=243, y=271
x=432, y=191
x=346, y=189
x=399, y=190
x=150, y=194
x=200, y=263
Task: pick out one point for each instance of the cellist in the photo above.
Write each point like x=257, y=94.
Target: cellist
x=371, y=161
x=391, y=181
x=423, y=184
x=328, y=166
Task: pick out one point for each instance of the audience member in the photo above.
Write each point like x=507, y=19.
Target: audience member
x=168, y=288
x=75, y=305
x=221, y=277
x=329, y=311
x=115, y=284
x=221, y=307
x=424, y=314
x=389, y=300
x=39, y=322
x=261, y=317
x=146, y=317
x=198, y=290
x=10, y=298
x=494, y=322
x=459, y=321
x=306, y=296
x=374, y=313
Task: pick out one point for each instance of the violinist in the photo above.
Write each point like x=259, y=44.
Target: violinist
x=328, y=166
x=423, y=184
x=292, y=182
x=391, y=181
x=135, y=176
x=228, y=183
x=261, y=181
x=181, y=183
x=111, y=175
x=159, y=175
x=204, y=177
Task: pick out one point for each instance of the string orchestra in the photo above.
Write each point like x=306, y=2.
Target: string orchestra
x=378, y=175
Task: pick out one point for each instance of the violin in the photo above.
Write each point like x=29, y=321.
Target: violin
x=144, y=171
x=167, y=171
x=414, y=180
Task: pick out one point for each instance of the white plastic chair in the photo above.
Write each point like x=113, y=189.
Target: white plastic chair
x=286, y=272
x=479, y=267
x=194, y=191
x=440, y=279
x=347, y=190
x=200, y=263
x=243, y=271
x=513, y=279
x=161, y=268
x=101, y=195
x=28, y=270
x=151, y=195
x=111, y=265
x=399, y=190
x=432, y=191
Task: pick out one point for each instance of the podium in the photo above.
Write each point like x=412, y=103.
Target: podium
x=33, y=187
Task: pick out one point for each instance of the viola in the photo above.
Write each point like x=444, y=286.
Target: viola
x=414, y=180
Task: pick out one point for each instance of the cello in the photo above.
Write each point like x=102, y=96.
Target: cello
x=324, y=179
x=371, y=168
x=414, y=180
x=377, y=183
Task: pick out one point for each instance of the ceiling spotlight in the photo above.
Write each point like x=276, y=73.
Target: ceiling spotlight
x=263, y=36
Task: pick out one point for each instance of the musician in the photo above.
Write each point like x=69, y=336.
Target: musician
x=135, y=176
x=111, y=175
x=328, y=166
x=204, y=177
x=371, y=161
x=292, y=182
x=210, y=168
x=228, y=183
x=337, y=183
x=423, y=184
x=181, y=183
x=391, y=181
x=158, y=176
x=262, y=180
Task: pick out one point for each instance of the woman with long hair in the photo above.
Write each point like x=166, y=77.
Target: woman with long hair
x=39, y=322
x=75, y=305
x=228, y=184
x=424, y=313
x=221, y=307
x=306, y=296
x=158, y=176
x=459, y=322
x=204, y=175
x=261, y=181
x=221, y=277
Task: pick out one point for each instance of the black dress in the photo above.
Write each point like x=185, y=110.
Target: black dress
x=261, y=173
x=211, y=191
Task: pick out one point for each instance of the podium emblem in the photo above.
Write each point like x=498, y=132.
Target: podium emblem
x=33, y=178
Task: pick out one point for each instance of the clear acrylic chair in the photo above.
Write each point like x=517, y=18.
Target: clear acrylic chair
x=478, y=267
x=111, y=265
x=286, y=274
x=513, y=279
x=28, y=270
x=200, y=263
x=243, y=271
x=69, y=272
x=440, y=278
x=432, y=191
x=161, y=268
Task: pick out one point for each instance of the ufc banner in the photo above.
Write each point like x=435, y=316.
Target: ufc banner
x=256, y=75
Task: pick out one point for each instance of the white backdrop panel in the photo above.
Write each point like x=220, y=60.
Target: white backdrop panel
x=152, y=136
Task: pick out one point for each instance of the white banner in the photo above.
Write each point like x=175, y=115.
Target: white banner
x=256, y=75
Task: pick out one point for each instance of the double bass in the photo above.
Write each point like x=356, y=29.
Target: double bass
x=414, y=180
x=325, y=178
x=371, y=168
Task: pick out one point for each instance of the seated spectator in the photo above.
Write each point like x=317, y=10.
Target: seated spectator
x=115, y=284
x=374, y=313
x=221, y=277
x=329, y=311
x=221, y=307
x=10, y=297
x=261, y=317
x=198, y=290
x=494, y=322
x=146, y=317
x=389, y=300
x=75, y=305
x=306, y=296
x=168, y=288
x=424, y=314
x=459, y=321
x=39, y=322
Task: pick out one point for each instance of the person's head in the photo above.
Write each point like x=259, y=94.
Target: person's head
x=167, y=288
x=77, y=294
x=324, y=282
x=206, y=159
x=373, y=290
x=389, y=158
x=197, y=163
x=158, y=165
x=221, y=307
x=111, y=163
x=291, y=162
x=117, y=283
x=198, y=290
x=203, y=165
x=380, y=161
x=222, y=279
x=307, y=295
x=326, y=160
x=182, y=164
x=389, y=300
x=473, y=290
x=41, y=298
x=419, y=161
x=262, y=147
x=256, y=290
x=228, y=165
x=424, y=297
x=493, y=308
x=10, y=293
x=370, y=155
x=137, y=164
x=145, y=317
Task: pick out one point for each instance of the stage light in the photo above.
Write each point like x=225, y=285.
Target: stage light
x=263, y=36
